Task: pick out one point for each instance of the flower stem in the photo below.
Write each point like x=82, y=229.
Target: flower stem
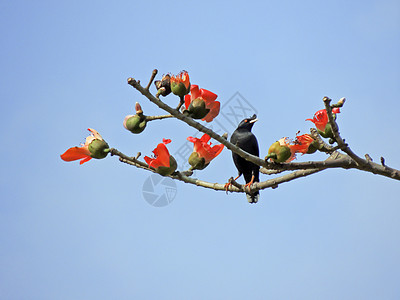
x=182, y=100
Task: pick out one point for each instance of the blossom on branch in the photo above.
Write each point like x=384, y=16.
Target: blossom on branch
x=136, y=123
x=164, y=163
x=180, y=84
x=281, y=151
x=203, y=153
x=94, y=147
x=304, y=144
x=321, y=122
x=164, y=85
x=285, y=150
x=201, y=104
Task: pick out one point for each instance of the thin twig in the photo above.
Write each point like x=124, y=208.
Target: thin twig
x=153, y=75
x=335, y=130
x=152, y=118
x=133, y=160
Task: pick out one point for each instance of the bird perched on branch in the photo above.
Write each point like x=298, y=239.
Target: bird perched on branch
x=247, y=141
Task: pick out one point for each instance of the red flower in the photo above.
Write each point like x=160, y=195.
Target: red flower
x=180, y=84
x=163, y=162
x=203, y=148
x=321, y=120
x=286, y=142
x=302, y=144
x=94, y=147
x=201, y=104
x=282, y=151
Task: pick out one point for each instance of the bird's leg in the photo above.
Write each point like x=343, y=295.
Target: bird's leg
x=230, y=182
x=249, y=184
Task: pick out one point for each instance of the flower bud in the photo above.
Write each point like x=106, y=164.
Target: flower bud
x=327, y=133
x=278, y=153
x=135, y=123
x=99, y=149
x=197, y=162
x=312, y=148
x=197, y=109
x=341, y=101
x=164, y=85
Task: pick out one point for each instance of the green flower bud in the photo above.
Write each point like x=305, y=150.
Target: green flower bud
x=179, y=89
x=197, y=162
x=312, y=148
x=98, y=149
x=136, y=123
x=278, y=153
x=197, y=109
x=180, y=84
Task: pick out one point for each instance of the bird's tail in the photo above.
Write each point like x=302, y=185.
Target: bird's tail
x=253, y=198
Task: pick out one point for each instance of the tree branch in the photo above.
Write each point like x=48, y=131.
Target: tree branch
x=236, y=187
x=351, y=160
x=254, y=159
x=361, y=164
x=340, y=161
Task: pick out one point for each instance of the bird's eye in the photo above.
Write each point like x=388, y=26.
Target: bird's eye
x=245, y=121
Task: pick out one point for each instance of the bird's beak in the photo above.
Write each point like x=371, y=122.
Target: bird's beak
x=254, y=120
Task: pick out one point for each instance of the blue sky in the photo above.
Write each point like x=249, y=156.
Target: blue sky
x=86, y=232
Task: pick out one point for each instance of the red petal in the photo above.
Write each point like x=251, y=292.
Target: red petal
x=75, y=153
x=148, y=160
x=204, y=150
x=162, y=157
x=320, y=119
x=192, y=139
x=205, y=138
x=166, y=141
x=194, y=91
x=188, y=99
x=207, y=95
x=185, y=79
x=214, y=111
x=85, y=160
x=209, y=153
x=217, y=149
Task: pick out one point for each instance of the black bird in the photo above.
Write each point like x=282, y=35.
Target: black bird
x=247, y=141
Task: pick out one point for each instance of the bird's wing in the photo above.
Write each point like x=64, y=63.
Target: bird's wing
x=254, y=146
x=234, y=137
